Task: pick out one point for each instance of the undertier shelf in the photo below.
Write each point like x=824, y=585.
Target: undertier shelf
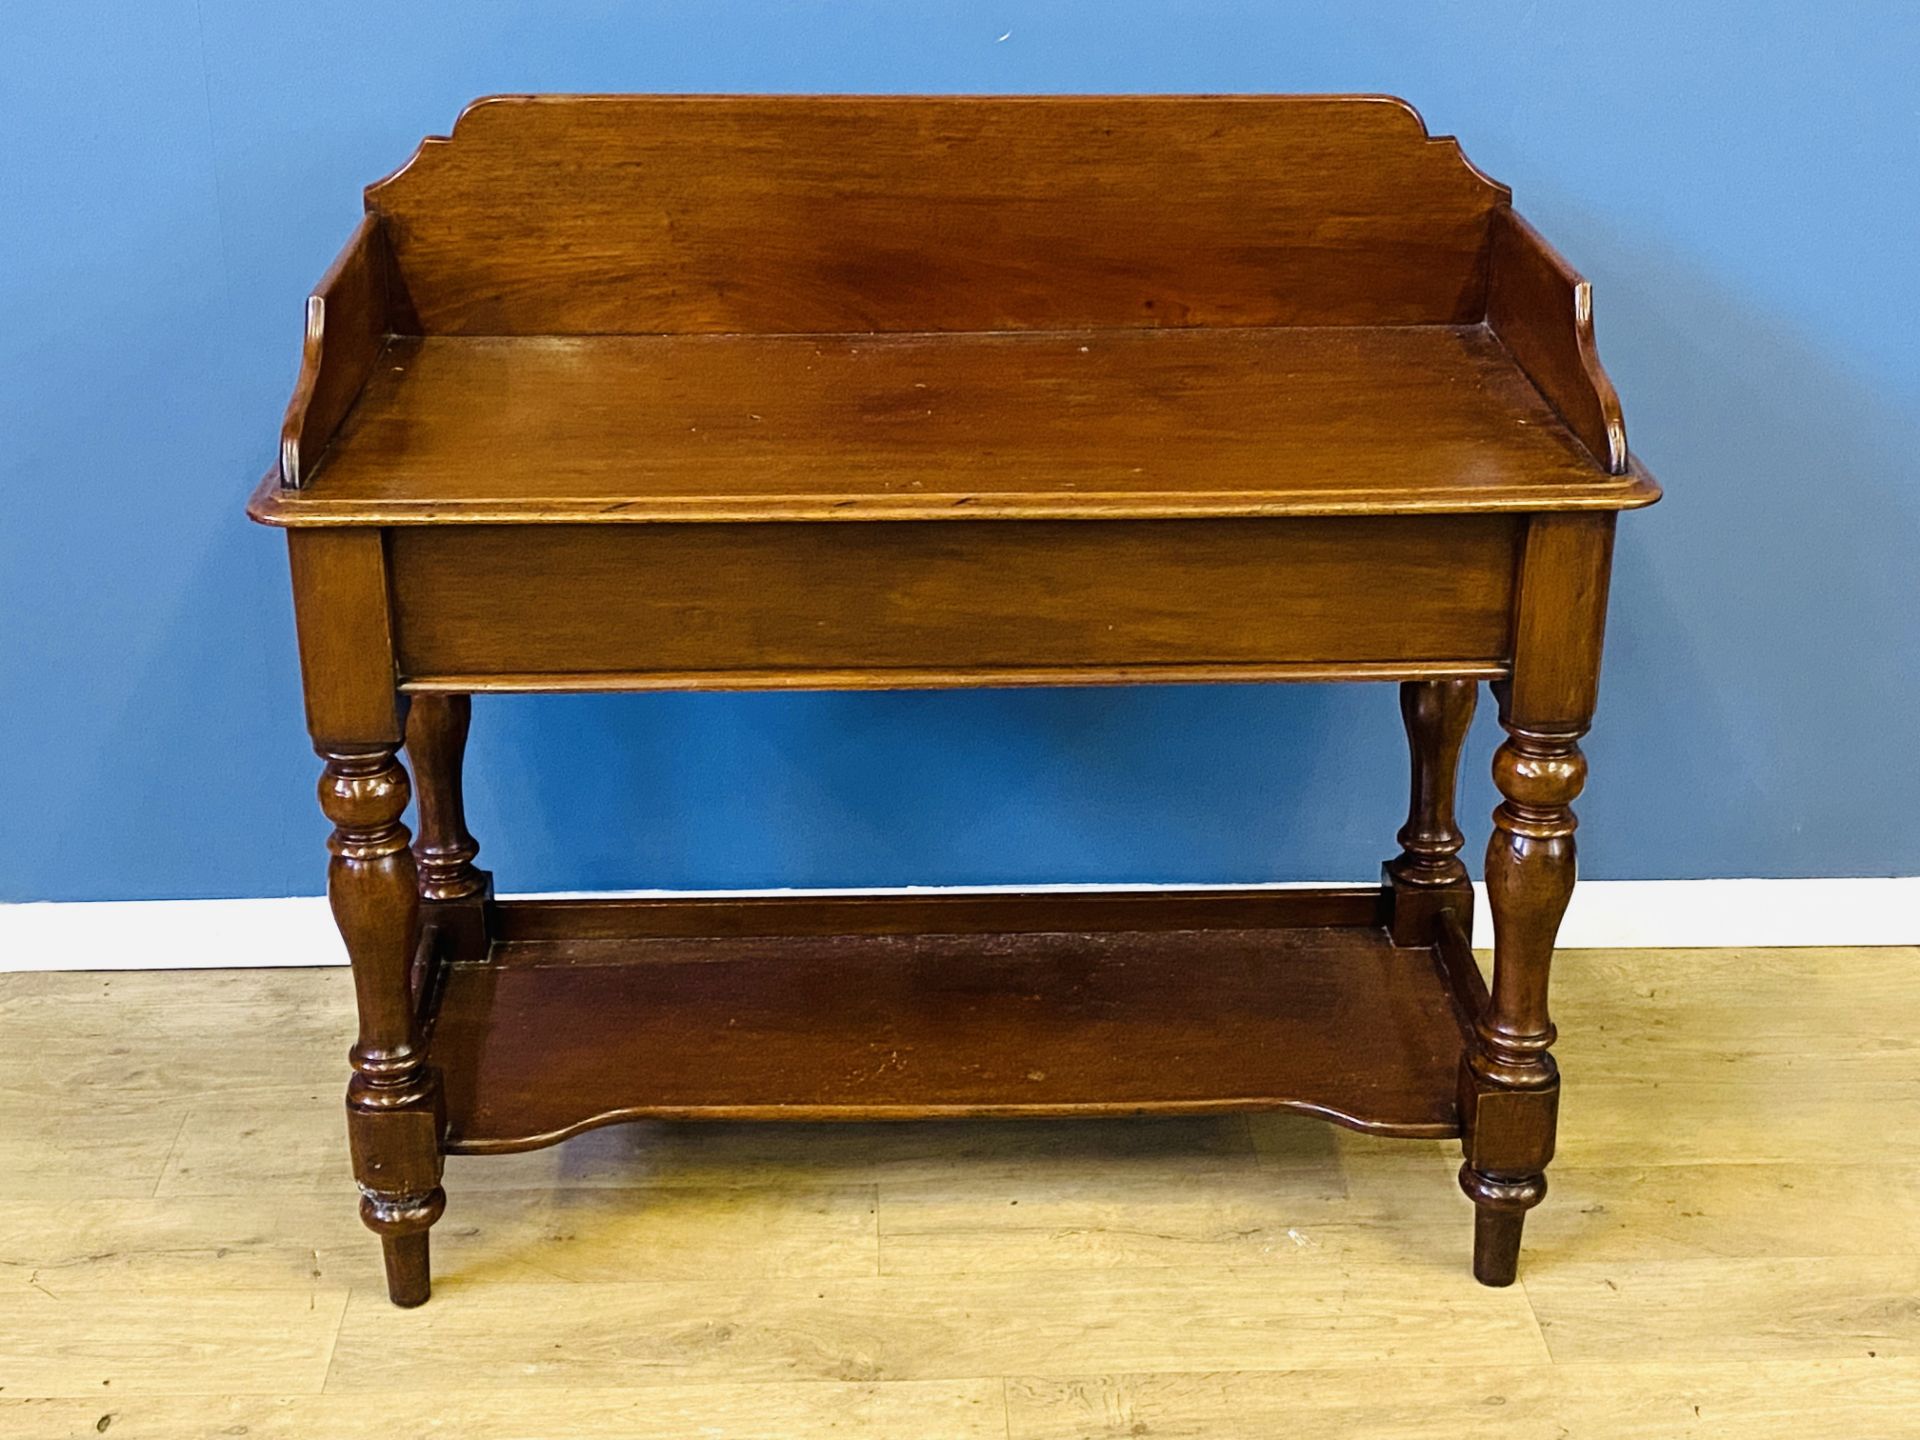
x=592, y=1012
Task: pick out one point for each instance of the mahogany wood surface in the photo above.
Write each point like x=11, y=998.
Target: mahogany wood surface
x=343, y=620
x=981, y=599
x=1147, y=423
x=349, y=318
x=807, y=214
x=1427, y=880
x=536, y=922
x=555, y=1036
x=394, y=1112
x=453, y=890
x=1509, y=1083
x=615, y=393
x=1531, y=293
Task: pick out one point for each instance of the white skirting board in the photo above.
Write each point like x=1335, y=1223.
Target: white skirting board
x=1606, y=914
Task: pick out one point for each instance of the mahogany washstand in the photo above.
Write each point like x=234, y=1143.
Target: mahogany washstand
x=650, y=392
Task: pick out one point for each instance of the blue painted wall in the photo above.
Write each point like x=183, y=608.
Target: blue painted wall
x=1744, y=192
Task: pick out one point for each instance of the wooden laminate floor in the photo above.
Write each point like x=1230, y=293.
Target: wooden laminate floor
x=1731, y=1248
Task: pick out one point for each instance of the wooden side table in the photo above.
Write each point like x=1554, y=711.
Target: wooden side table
x=624, y=393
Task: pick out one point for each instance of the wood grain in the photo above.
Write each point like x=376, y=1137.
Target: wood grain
x=946, y=603
x=1543, y=313
x=109, y=1148
x=931, y=913
x=1110, y=424
x=804, y=1410
x=349, y=317
x=258, y=1342
x=275, y=1142
x=1753, y=1274
x=772, y=214
x=234, y=1242
x=1633, y=1213
x=902, y=1328
x=279, y=1027
x=1796, y=1400
x=1699, y=1400
x=1830, y=1308
x=1560, y=621
x=1295, y=1214
x=1623, y=1020
x=343, y=620
x=1752, y=1120
x=550, y=1039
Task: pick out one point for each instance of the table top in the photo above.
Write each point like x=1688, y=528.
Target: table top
x=1108, y=423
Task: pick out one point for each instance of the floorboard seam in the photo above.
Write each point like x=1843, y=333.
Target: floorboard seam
x=167, y=1159
x=1539, y=1327
x=333, y=1348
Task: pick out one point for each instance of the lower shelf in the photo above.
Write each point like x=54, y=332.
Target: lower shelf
x=898, y=1007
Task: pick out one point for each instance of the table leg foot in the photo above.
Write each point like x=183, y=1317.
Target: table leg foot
x=1499, y=1215
x=403, y=1225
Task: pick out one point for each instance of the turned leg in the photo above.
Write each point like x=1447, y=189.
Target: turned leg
x=1514, y=1085
x=1427, y=877
x=1511, y=1087
x=1509, y=1084
x=454, y=892
x=393, y=1098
